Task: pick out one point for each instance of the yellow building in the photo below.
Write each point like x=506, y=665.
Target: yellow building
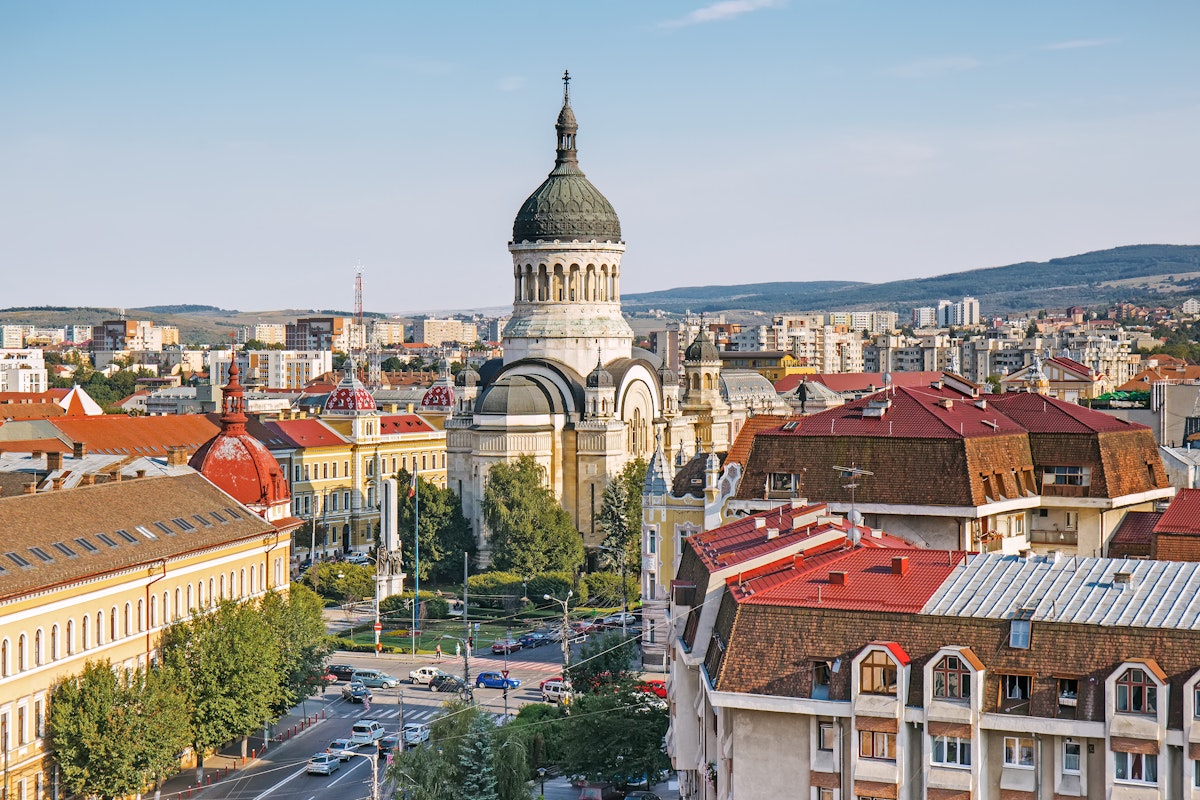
x=773, y=365
x=97, y=572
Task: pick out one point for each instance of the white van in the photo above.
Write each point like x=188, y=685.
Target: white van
x=556, y=691
x=366, y=731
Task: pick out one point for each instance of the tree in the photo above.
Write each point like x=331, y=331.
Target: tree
x=299, y=629
x=114, y=732
x=603, y=660
x=478, y=761
x=531, y=533
x=616, y=736
x=340, y=581
x=621, y=520
x=444, y=532
x=228, y=665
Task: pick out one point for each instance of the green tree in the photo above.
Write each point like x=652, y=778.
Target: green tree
x=615, y=736
x=603, y=660
x=393, y=364
x=115, y=732
x=228, y=666
x=993, y=381
x=299, y=629
x=531, y=533
x=620, y=519
x=477, y=760
x=443, y=531
x=341, y=582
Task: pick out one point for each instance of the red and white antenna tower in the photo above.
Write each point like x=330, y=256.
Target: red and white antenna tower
x=358, y=312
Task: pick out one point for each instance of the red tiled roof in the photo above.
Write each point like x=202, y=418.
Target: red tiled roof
x=403, y=423
x=922, y=412
x=1183, y=515
x=48, y=396
x=1038, y=413
x=740, y=449
x=117, y=433
x=31, y=410
x=1136, y=529
x=856, y=381
x=307, y=432
x=1141, y=382
x=870, y=583
x=1074, y=366
x=36, y=445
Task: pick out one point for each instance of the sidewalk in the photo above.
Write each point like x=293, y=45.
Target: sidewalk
x=227, y=762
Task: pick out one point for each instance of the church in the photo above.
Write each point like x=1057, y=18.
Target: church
x=572, y=390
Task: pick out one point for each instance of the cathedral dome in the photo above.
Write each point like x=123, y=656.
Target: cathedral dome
x=440, y=396
x=514, y=394
x=599, y=378
x=566, y=207
x=467, y=377
x=350, y=397
x=237, y=463
x=702, y=348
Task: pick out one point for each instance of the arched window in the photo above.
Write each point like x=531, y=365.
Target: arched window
x=70, y=637
x=153, y=611
x=84, y=632
x=141, y=615
x=242, y=583
x=952, y=679
x=21, y=653
x=221, y=586
x=1137, y=693
x=54, y=642
x=878, y=674
x=178, y=605
x=99, y=628
x=128, y=619
x=335, y=469
x=166, y=608
x=325, y=470
x=212, y=587
x=37, y=648
x=424, y=461
x=278, y=571
x=4, y=659
x=112, y=624
x=251, y=579
x=190, y=607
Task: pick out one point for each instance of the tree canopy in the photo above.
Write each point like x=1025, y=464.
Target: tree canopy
x=296, y=621
x=621, y=516
x=531, y=532
x=443, y=531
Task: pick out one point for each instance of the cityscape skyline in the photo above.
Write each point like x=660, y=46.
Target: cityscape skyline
x=188, y=145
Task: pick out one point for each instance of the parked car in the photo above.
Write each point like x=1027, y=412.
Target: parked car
x=389, y=744
x=641, y=794
x=342, y=748
x=374, y=678
x=414, y=733
x=532, y=639
x=356, y=693
x=329, y=679
x=552, y=634
x=423, y=675
x=446, y=683
x=655, y=686
x=600, y=791
x=342, y=671
x=505, y=646
x=556, y=691
x=615, y=620
x=494, y=680
x=366, y=731
x=323, y=764
x=361, y=559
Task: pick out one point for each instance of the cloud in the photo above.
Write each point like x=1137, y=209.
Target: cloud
x=1078, y=44
x=933, y=67
x=511, y=83
x=721, y=11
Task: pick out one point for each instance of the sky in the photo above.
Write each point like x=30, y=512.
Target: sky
x=252, y=155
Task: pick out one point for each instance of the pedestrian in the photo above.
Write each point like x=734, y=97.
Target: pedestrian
x=439, y=653
x=457, y=650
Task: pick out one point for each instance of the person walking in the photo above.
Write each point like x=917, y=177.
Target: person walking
x=439, y=653
x=457, y=650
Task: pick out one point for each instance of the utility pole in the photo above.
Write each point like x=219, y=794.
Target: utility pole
x=566, y=628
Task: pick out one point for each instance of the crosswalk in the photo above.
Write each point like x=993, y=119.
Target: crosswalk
x=495, y=664
x=410, y=715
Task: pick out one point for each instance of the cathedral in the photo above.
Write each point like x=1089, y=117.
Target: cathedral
x=572, y=390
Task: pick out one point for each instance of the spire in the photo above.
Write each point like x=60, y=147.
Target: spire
x=233, y=402
x=566, y=160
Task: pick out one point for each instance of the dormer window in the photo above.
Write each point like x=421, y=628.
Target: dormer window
x=1137, y=693
x=952, y=679
x=781, y=482
x=877, y=674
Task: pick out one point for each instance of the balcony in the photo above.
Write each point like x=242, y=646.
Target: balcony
x=1049, y=536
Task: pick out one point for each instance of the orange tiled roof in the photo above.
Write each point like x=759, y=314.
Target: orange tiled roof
x=30, y=410
x=117, y=433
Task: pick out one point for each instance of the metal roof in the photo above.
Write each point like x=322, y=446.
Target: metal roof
x=1159, y=594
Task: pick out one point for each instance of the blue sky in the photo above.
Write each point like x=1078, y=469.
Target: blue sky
x=248, y=155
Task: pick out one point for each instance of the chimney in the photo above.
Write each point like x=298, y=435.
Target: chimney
x=409, y=408
x=899, y=565
x=1122, y=578
x=176, y=457
x=772, y=533
x=37, y=454
x=58, y=483
x=116, y=476
x=797, y=560
x=141, y=473
x=88, y=480
x=837, y=578
x=30, y=488
x=53, y=461
x=1026, y=553
x=760, y=522
x=79, y=450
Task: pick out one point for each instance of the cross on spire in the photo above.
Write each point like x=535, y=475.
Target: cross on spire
x=566, y=87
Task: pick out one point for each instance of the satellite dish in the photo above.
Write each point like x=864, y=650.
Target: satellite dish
x=854, y=535
x=856, y=517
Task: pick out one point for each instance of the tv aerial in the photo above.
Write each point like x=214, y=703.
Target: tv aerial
x=853, y=473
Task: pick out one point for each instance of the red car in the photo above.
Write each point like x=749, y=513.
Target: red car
x=505, y=646
x=656, y=686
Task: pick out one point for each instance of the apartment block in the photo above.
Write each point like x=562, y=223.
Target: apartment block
x=436, y=332
x=324, y=333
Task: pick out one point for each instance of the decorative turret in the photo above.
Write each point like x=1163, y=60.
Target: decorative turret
x=600, y=392
x=466, y=388
x=702, y=371
x=439, y=398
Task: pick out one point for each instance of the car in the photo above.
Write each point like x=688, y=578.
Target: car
x=655, y=686
x=423, y=675
x=641, y=794
x=505, y=646
x=584, y=627
x=558, y=678
x=552, y=634
x=328, y=679
x=446, y=683
x=556, y=691
x=414, y=733
x=323, y=764
x=616, y=620
x=342, y=671
x=342, y=748
x=366, y=731
x=356, y=693
x=532, y=639
x=494, y=680
x=361, y=559
x=374, y=679
x=600, y=791
x=389, y=744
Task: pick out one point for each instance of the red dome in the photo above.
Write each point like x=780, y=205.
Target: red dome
x=350, y=396
x=438, y=396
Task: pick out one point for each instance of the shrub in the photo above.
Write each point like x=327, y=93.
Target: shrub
x=433, y=605
x=604, y=588
x=493, y=589
x=555, y=584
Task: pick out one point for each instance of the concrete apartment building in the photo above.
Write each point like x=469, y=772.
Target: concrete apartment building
x=267, y=333
x=436, y=332
x=272, y=369
x=324, y=333
x=22, y=371
x=128, y=334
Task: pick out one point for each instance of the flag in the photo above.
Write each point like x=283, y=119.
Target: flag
x=412, y=487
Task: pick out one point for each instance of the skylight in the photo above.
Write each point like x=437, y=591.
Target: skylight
x=202, y=520
x=144, y=531
x=66, y=551
x=165, y=528
x=127, y=536
x=108, y=540
x=86, y=545
x=19, y=560
x=42, y=554
x=183, y=524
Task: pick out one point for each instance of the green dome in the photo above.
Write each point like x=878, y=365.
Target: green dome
x=702, y=350
x=566, y=206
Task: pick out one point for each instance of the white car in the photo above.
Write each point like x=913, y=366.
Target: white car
x=323, y=764
x=423, y=675
x=415, y=733
x=366, y=731
x=342, y=748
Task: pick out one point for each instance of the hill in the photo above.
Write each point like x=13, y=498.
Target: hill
x=1149, y=273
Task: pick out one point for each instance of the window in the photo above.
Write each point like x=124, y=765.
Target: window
x=1136, y=767
x=1071, y=757
x=333, y=502
x=1018, y=634
x=831, y=794
x=826, y=738
x=1018, y=751
x=877, y=745
x=1067, y=476
x=108, y=540
x=40, y=553
x=951, y=751
x=165, y=528
x=1137, y=693
x=651, y=542
x=1196, y=701
x=780, y=482
x=65, y=550
x=127, y=536
x=1015, y=692
x=86, y=545
x=1196, y=774
x=952, y=679
x=1068, y=697
x=822, y=676
x=878, y=674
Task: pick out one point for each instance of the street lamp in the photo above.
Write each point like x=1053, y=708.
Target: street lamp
x=542, y=778
x=374, y=759
x=566, y=631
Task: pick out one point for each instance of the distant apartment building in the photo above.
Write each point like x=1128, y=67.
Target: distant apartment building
x=12, y=337
x=1191, y=307
x=22, y=371
x=869, y=321
x=964, y=312
x=267, y=333
x=387, y=332
x=924, y=317
x=436, y=332
x=324, y=333
x=272, y=369
x=77, y=334
x=495, y=328
x=129, y=334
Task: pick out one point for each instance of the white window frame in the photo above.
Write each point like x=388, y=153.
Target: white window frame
x=1020, y=632
x=947, y=745
x=1013, y=749
x=826, y=729
x=1078, y=757
x=1130, y=760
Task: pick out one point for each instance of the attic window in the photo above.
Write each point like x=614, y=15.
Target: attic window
x=165, y=528
x=144, y=531
x=126, y=535
x=1067, y=476
x=780, y=482
x=86, y=545
x=1019, y=633
x=790, y=426
x=42, y=554
x=104, y=537
x=233, y=512
x=183, y=524
x=217, y=516
x=19, y=560
x=66, y=551
x=202, y=520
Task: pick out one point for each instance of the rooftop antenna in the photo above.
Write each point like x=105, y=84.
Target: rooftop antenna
x=853, y=473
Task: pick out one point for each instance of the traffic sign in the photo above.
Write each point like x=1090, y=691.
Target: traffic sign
x=378, y=626
x=504, y=672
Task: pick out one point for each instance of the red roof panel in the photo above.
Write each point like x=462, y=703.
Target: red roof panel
x=856, y=381
x=1038, y=413
x=403, y=423
x=307, y=432
x=1183, y=515
x=117, y=433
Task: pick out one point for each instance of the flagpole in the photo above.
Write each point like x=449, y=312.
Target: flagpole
x=416, y=485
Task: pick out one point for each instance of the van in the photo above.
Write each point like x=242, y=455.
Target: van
x=374, y=679
x=366, y=731
x=556, y=691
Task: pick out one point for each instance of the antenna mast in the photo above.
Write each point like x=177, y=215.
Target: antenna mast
x=853, y=472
